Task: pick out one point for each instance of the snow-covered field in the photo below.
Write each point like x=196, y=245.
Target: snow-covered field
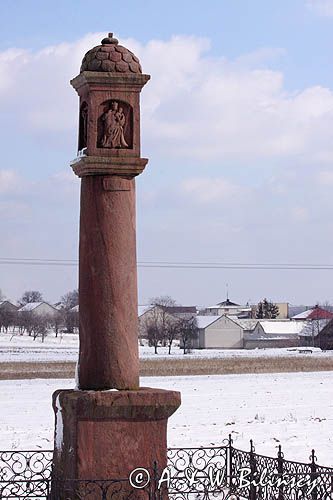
x=295, y=410
x=65, y=348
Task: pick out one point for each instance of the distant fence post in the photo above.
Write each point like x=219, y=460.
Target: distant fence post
x=314, y=475
x=280, y=472
x=229, y=464
x=253, y=468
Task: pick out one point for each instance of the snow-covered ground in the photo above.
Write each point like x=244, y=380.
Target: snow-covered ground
x=294, y=409
x=65, y=348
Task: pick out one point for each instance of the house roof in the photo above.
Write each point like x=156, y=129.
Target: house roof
x=245, y=323
x=204, y=321
x=3, y=302
x=227, y=303
x=144, y=309
x=286, y=327
x=314, y=313
x=30, y=306
x=180, y=309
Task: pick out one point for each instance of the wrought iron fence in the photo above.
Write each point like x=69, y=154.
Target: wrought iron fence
x=222, y=473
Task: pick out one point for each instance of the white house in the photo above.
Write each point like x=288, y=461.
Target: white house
x=274, y=333
x=7, y=306
x=39, y=309
x=229, y=308
x=218, y=332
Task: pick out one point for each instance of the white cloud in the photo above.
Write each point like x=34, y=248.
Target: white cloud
x=195, y=105
x=34, y=86
x=10, y=182
x=322, y=7
x=209, y=190
x=213, y=109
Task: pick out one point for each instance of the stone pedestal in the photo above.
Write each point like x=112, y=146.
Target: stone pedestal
x=105, y=435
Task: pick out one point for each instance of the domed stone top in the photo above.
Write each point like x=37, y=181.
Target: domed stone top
x=110, y=57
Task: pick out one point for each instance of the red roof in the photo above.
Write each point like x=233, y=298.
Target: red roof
x=319, y=313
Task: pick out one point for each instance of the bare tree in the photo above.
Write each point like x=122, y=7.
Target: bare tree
x=30, y=296
x=154, y=334
x=40, y=324
x=162, y=303
x=70, y=299
x=27, y=321
x=172, y=331
x=57, y=322
x=70, y=317
x=7, y=319
x=188, y=331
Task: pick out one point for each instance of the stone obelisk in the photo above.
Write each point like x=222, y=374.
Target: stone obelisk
x=108, y=426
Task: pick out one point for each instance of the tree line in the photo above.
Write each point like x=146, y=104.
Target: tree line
x=37, y=325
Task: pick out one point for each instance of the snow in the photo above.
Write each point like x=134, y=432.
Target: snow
x=291, y=409
x=65, y=348
x=204, y=321
x=283, y=327
x=245, y=323
x=303, y=315
x=59, y=431
x=30, y=306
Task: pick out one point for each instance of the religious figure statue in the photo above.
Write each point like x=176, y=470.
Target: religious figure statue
x=113, y=127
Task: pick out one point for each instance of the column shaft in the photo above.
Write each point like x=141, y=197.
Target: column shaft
x=108, y=284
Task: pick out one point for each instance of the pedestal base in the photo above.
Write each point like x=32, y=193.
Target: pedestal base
x=105, y=435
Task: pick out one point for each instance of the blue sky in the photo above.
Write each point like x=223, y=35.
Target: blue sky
x=236, y=121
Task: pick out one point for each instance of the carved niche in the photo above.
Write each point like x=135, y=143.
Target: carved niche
x=115, y=125
x=83, y=126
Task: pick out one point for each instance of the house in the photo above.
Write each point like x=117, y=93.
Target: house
x=7, y=314
x=39, y=309
x=186, y=312
x=318, y=333
x=218, y=332
x=7, y=306
x=152, y=314
x=315, y=313
x=161, y=314
x=274, y=333
x=227, y=307
x=247, y=324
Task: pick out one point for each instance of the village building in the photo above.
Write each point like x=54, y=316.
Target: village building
x=227, y=307
x=39, y=309
x=7, y=306
x=318, y=333
x=315, y=313
x=218, y=332
x=274, y=333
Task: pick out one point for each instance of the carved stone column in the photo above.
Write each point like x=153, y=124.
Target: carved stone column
x=108, y=426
